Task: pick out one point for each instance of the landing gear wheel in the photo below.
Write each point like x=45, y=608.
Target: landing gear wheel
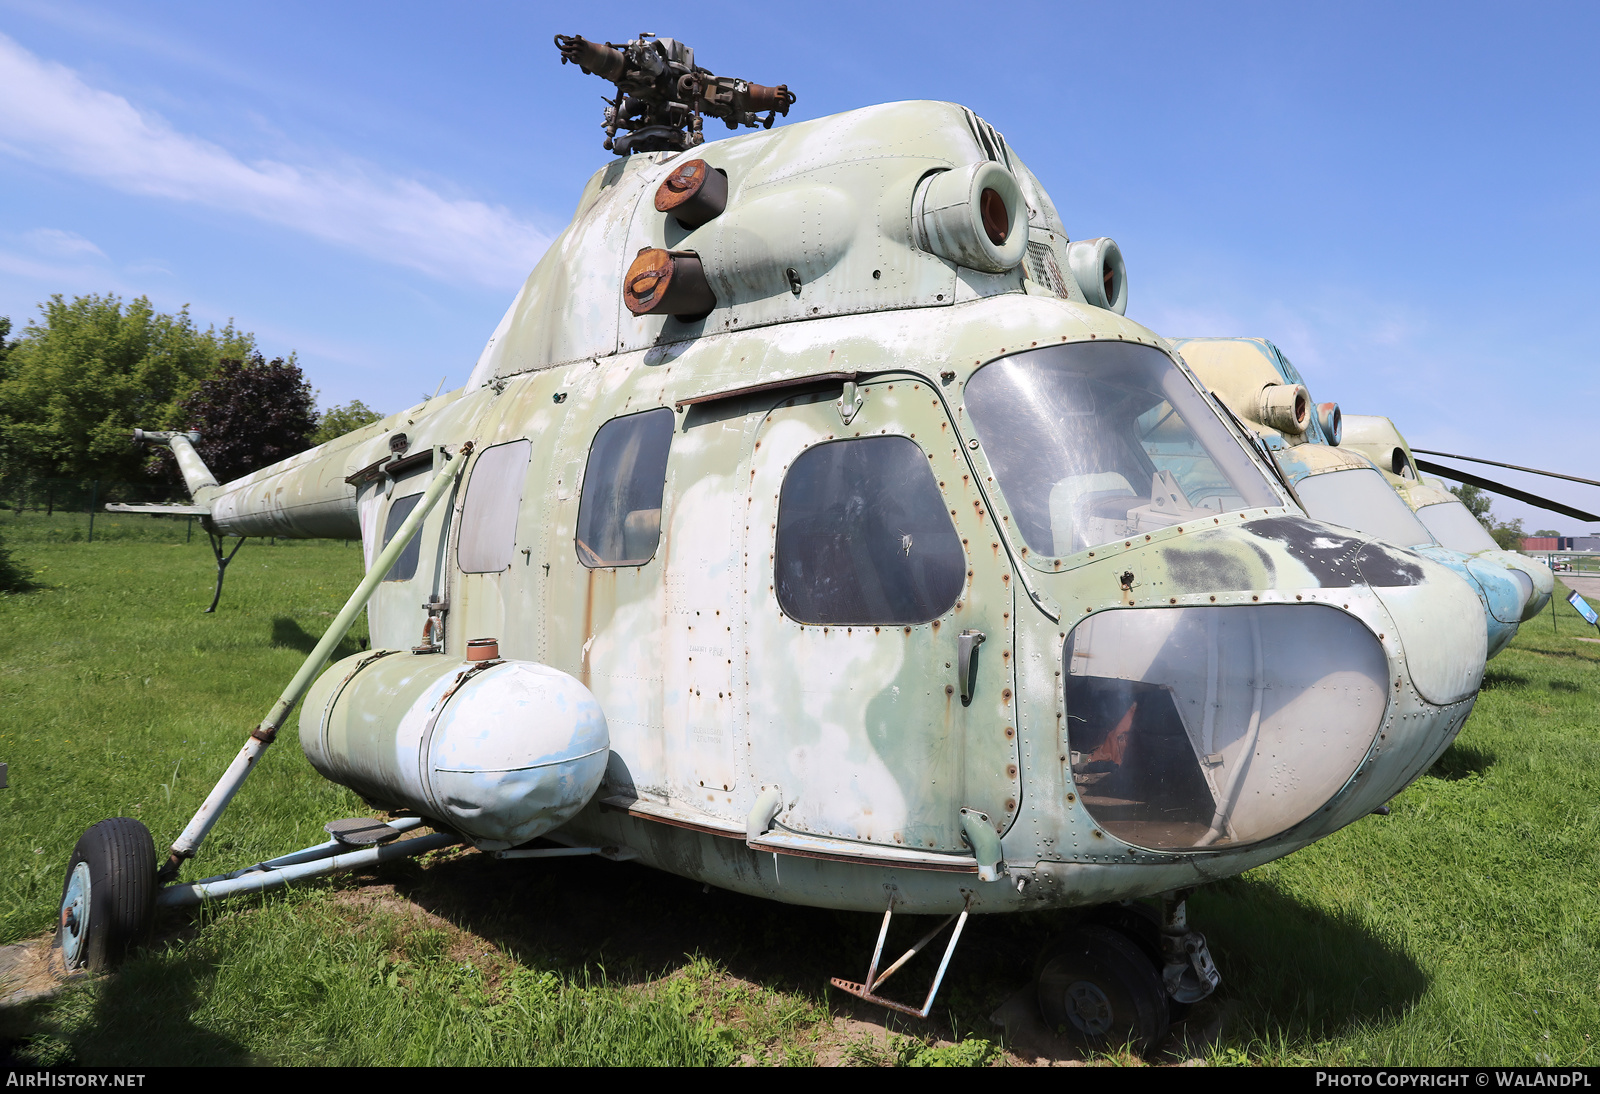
x=1142, y=923
x=1097, y=985
x=109, y=900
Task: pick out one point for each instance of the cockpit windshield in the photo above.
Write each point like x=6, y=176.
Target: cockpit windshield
x=1095, y=441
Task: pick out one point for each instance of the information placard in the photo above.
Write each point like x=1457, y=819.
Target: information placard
x=1583, y=608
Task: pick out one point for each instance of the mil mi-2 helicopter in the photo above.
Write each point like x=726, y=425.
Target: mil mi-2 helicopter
x=810, y=526
x=1451, y=522
x=1326, y=458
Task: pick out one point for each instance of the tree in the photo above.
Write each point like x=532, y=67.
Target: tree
x=250, y=413
x=1547, y=532
x=336, y=421
x=1476, y=501
x=85, y=374
x=1508, y=535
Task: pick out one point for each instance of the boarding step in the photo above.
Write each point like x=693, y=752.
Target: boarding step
x=360, y=831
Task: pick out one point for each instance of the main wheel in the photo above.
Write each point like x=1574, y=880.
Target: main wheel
x=109, y=900
x=1142, y=923
x=1097, y=985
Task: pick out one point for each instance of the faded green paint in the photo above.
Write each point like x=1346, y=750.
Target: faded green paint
x=712, y=695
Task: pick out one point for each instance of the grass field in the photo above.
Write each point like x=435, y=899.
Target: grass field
x=1462, y=928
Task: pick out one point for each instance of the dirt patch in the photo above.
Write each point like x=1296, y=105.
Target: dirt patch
x=30, y=971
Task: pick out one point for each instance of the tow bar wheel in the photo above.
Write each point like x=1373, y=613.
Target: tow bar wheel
x=1098, y=987
x=108, y=900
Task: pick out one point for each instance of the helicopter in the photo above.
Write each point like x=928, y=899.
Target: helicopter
x=814, y=524
x=1326, y=457
x=1451, y=523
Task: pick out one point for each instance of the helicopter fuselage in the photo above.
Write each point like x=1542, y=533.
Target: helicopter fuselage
x=832, y=562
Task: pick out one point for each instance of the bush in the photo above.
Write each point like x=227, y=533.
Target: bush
x=14, y=578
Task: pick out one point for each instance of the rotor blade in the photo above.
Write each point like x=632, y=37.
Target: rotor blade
x=1509, y=491
x=1511, y=466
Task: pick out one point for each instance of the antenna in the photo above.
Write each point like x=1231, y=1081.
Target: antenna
x=662, y=93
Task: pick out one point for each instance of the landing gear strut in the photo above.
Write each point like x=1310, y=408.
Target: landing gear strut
x=222, y=566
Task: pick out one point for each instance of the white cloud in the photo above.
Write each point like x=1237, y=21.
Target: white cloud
x=51, y=117
x=54, y=241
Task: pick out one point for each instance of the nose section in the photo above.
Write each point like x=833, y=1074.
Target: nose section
x=1442, y=631
x=1540, y=582
x=1205, y=727
x=1498, y=589
x=1212, y=720
x=1436, y=651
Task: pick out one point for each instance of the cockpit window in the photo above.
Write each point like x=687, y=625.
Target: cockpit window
x=619, y=518
x=1095, y=441
x=1453, y=525
x=1360, y=498
x=864, y=536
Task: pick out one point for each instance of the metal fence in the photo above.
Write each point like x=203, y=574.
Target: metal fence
x=74, y=510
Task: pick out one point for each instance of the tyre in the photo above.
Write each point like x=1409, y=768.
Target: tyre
x=109, y=899
x=1141, y=923
x=1096, y=985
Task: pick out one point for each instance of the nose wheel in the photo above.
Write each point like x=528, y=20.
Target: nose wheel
x=108, y=899
x=1098, y=986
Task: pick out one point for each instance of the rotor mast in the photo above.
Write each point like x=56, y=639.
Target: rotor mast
x=662, y=94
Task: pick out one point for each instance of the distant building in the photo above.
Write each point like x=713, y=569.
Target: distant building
x=1546, y=543
x=1586, y=543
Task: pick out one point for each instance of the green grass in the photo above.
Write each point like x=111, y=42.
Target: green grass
x=1461, y=929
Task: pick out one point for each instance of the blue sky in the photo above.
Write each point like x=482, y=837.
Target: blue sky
x=1402, y=197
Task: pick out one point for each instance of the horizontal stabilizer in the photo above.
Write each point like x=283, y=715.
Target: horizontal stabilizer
x=169, y=510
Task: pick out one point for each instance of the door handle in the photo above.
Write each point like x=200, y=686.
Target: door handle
x=967, y=662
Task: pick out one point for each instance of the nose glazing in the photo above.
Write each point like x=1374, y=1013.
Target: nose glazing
x=1204, y=727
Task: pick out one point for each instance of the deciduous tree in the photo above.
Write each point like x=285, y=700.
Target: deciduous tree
x=336, y=421
x=250, y=413
x=86, y=373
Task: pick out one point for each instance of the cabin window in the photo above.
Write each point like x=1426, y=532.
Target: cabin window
x=489, y=515
x=864, y=536
x=619, y=516
x=405, y=567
